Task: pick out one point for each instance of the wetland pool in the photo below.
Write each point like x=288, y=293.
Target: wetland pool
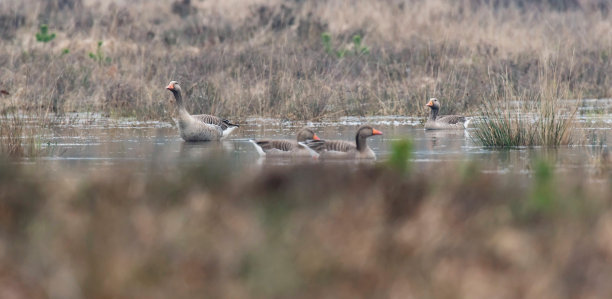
x=98, y=143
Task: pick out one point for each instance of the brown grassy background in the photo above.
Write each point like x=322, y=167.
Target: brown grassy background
x=266, y=58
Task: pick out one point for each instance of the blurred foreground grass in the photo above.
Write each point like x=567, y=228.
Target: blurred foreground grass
x=304, y=231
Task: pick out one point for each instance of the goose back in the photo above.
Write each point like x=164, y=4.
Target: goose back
x=451, y=119
x=214, y=120
x=283, y=145
x=340, y=146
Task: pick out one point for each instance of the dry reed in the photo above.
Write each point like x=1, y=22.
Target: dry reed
x=266, y=57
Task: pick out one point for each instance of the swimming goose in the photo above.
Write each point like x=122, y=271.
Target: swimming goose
x=201, y=127
x=435, y=122
x=284, y=147
x=344, y=149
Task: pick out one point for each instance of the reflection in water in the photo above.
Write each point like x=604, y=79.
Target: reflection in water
x=444, y=138
x=205, y=149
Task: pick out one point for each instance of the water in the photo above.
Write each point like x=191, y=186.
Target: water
x=91, y=144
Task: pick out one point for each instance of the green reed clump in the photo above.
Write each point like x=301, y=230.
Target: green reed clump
x=526, y=119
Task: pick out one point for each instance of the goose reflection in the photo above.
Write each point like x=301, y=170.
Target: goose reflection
x=438, y=139
x=205, y=150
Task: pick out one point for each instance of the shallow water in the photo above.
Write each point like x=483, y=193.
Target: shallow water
x=91, y=144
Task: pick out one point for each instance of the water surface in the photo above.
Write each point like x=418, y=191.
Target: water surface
x=91, y=144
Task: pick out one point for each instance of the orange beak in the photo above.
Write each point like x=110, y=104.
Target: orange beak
x=315, y=137
x=430, y=104
x=170, y=86
x=376, y=132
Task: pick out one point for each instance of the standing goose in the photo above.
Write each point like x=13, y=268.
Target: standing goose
x=284, y=147
x=201, y=127
x=435, y=122
x=344, y=149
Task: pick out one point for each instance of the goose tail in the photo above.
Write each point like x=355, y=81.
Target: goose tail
x=312, y=152
x=258, y=148
x=228, y=131
x=467, y=122
x=227, y=122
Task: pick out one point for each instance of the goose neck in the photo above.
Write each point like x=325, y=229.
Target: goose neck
x=360, y=142
x=179, y=101
x=433, y=114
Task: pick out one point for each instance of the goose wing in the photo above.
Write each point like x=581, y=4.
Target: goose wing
x=283, y=145
x=451, y=119
x=331, y=145
x=214, y=120
x=340, y=146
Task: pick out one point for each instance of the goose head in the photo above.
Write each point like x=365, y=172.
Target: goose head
x=367, y=131
x=307, y=134
x=362, y=133
x=434, y=104
x=174, y=87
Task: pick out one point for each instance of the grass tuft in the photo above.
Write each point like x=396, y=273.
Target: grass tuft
x=18, y=140
x=513, y=119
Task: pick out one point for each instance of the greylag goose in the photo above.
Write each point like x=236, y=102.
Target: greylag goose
x=202, y=127
x=446, y=122
x=284, y=147
x=344, y=149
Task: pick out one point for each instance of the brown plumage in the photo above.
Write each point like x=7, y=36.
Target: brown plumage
x=345, y=149
x=435, y=122
x=334, y=145
x=214, y=120
x=201, y=127
x=283, y=147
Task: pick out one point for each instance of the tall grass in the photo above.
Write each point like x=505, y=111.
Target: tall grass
x=266, y=57
x=520, y=118
x=17, y=139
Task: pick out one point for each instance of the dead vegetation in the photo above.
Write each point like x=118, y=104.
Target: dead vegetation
x=266, y=57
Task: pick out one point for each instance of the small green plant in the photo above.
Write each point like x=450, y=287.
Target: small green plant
x=65, y=51
x=543, y=196
x=401, y=152
x=326, y=40
x=543, y=199
x=43, y=34
x=99, y=56
x=341, y=53
x=358, y=47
